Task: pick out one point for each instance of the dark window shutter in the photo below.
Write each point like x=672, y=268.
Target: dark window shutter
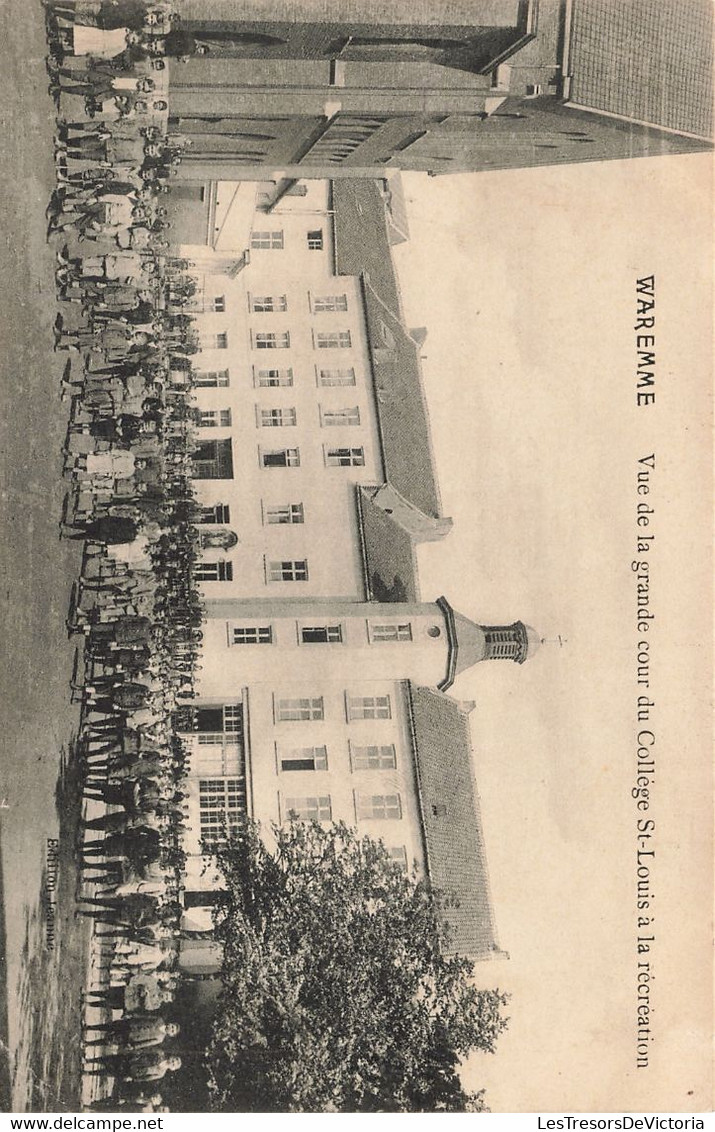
x=224, y=458
x=209, y=719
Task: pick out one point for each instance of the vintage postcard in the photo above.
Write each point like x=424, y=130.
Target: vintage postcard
x=357, y=557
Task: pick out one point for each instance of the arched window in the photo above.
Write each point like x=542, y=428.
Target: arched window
x=222, y=539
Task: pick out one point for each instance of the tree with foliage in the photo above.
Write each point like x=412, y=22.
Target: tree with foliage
x=338, y=993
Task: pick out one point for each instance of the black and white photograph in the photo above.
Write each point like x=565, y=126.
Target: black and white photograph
x=356, y=558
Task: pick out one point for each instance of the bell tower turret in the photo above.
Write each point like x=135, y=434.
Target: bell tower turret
x=470, y=642
x=515, y=642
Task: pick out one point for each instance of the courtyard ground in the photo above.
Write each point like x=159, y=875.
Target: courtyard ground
x=39, y=1011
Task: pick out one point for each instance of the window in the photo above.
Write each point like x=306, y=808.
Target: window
x=379, y=807
x=219, y=731
x=220, y=571
x=219, y=304
x=369, y=707
x=288, y=570
x=322, y=303
x=214, y=341
x=211, y=379
x=268, y=303
x=233, y=717
x=213, y=739
x=334, y=418
x=213, y=460
x=279, y=513
x=304, y=758
x=215, y=418
x=253, y=635
x=391, y=632
x=272, y=241
x=217, y=718
x=373, y=757
x=288, y=711
x=222, y=806
x=345, y=457
x=310, y=809
x=269, y=378
x=222, y=539
x=315, y=240
x=280, y=458
x=276, y=418
x=336, y=376
x=398, y=853
x=265, y=340
x=321, y=634
x=332, y=339
x=218, y=513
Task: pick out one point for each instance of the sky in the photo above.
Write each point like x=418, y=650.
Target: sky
x=526, y=282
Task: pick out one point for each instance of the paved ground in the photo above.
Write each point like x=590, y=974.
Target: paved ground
x=36, y=570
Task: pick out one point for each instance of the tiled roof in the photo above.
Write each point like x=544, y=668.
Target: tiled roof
x=389, y=552
x=362, y=248
x=361, y=240
x=650, y=60
x=456, y=858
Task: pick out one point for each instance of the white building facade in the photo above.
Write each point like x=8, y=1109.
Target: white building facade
x=323, y=673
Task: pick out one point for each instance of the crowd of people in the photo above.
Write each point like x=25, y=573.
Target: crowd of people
x=131, y=435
